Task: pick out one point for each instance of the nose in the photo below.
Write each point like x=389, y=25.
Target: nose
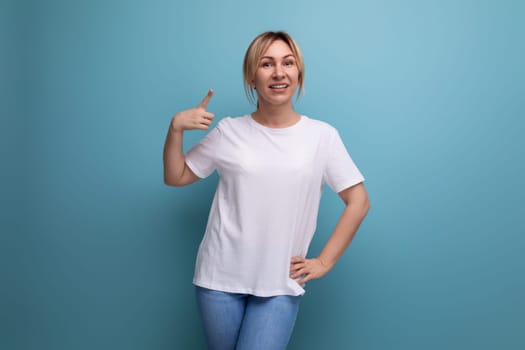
x=278, y=72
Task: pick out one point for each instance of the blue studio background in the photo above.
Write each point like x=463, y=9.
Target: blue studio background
x=97, y=253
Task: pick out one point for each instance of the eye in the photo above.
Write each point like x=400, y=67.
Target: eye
x=289, y=63
x=266, y=64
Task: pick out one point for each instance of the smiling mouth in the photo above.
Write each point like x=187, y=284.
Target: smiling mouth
x=278, y=86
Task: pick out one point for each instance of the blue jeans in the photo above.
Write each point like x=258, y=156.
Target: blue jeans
x=234, y=321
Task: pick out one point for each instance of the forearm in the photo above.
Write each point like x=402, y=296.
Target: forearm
x=174, y=160
x=344, y=232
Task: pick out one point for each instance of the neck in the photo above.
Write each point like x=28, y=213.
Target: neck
x=276, y=116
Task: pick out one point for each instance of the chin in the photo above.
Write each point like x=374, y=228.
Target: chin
x=278, y=100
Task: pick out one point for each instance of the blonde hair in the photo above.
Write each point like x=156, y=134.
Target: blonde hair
x=257, y=49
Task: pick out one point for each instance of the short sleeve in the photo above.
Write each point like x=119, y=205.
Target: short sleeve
x=340, y=172
x=201, y=158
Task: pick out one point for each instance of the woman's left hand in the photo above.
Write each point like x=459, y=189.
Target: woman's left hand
x=309, y=269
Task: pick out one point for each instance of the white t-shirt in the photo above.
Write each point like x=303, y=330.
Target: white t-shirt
x=265, y=208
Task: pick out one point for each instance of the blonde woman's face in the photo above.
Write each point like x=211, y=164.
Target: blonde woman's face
x=277, y=76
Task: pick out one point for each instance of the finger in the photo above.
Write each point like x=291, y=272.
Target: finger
x=202, y=127
x=299, y=273
x=200, y=124
x=206, y=100
x=297, y=266
x=208, y=116
x=297, y=259
x=294, y=272
x=304, y=280
x=203, y=121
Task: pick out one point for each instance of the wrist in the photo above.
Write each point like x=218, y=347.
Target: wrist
x=325, y=263
x=174, y=127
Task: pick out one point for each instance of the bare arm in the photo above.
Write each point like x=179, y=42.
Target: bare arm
x=357, y=205
x=176, y=172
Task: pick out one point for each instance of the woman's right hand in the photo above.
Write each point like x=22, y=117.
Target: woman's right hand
x=194, y=118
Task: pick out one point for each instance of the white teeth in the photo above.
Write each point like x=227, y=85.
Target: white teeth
x=282, y=86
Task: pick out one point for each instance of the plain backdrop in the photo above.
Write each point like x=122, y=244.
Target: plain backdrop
x=97, y=253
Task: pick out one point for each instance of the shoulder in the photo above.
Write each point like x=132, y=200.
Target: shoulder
x=320, y=126
x=232, y=123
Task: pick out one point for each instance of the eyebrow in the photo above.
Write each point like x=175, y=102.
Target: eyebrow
x=290, y=55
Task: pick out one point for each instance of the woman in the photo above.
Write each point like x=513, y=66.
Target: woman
x=251, y=266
